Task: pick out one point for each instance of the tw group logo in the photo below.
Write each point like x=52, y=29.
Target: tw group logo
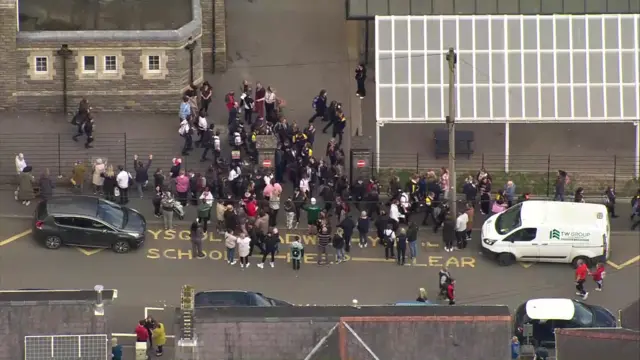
x=554, y=234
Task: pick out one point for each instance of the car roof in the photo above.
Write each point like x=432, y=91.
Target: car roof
x=550, y=309
x=73, y=205
x=563, y=214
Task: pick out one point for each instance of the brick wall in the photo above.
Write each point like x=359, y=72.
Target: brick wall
x=8, y=30
x=220, y=35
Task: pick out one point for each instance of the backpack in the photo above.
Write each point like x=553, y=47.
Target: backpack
x=386, y=238
x=295, y=252
x=315, y=102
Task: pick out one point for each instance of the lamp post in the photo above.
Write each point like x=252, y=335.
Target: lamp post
x=64, y=52
x=452, y=60
x=190, y=47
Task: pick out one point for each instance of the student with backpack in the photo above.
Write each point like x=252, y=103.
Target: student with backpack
x=297, y=252
x=319, y=105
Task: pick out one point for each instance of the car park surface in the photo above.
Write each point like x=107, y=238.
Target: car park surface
x=149, y=279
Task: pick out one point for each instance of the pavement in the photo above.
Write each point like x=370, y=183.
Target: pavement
x=149, y=279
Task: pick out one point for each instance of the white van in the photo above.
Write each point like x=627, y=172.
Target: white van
x=548, y=231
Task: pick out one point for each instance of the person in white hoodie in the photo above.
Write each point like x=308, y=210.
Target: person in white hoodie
x=230, y=242
x=202, y=127
x=21, y=163
x=244, y=246
x=394, y=214
x=185, y=132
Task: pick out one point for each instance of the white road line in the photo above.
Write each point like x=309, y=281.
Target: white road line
x=134, y=335
x=147, y=309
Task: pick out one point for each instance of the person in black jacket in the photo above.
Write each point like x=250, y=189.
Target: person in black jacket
x=401, y=243
x=347, y=225
x=319, y=106
x=449, y=232
x=271, y=242
x=361, y=76
x=206, y=141
x=381, y=225
x=88, y=131
x=363, y=228
x=157, y=200
x=338, y=244
x=358, y=192
x=412, y=239
x=142, y=173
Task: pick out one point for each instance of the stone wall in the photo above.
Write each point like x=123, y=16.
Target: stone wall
x=8, y=29
x=207, y=35
x=220, y=35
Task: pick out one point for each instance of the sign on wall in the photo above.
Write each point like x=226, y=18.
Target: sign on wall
x=511, y=68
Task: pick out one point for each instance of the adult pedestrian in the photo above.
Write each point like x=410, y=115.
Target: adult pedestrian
x=313, y=213
x=204, y=209
x=271, y=246
x=159, y=337
x=244, y=248
x=124, y=180
x=338, y=245
x=96, y=176
x=167, y=204
x=319, y=105
x=361, y=77
x=610, y=201
x=182, y=187
x=448, y=233
x=412, y=239
x=89, y=126
x=347, y=225
x=110, y=184
x=205, y=96
x=401, y=246
x=363, y=229
x=274, y=204
x=46, y=185
x=461, y=230
x=582, y=271
x=157, y=201
x=142, y=173
x=25, y=192
x=230, y=241
x=324, y=239
x=197, y=238
x=388, y=240
x=77, y=176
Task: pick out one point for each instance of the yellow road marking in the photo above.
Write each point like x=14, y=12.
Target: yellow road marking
x=613, y=265
x=526, y=265
x=89, y=252
x=15, y=237
x=630, y=262
x=362, y=259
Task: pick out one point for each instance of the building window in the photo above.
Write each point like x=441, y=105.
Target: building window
x=89, y=64
x=110, y=63
x=153, y=63
x=42, y=65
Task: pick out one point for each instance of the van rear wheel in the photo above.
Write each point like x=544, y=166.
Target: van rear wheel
x=584, y=259
x=506, y=259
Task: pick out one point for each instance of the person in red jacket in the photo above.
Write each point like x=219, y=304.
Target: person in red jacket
x=451, y=292
x=142, y=334
x=581, y=275
x=598, y=276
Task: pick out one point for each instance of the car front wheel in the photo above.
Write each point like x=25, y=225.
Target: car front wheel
x=505, y=259
x=53, y=242
x=121, y=247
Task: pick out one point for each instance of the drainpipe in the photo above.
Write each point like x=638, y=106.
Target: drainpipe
x=64, y=52
x=190, y=47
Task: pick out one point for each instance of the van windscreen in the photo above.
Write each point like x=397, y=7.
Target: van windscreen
x=509, y=220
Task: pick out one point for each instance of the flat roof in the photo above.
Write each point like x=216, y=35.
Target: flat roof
x=510, y=68
x=40, y=295
x=368, y=9
x=64, y=15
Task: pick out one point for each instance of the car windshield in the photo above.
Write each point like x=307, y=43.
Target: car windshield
x=112, y=214
x=509, y=220
x=583, y=315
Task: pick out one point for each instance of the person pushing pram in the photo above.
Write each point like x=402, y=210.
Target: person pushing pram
x=170, y=207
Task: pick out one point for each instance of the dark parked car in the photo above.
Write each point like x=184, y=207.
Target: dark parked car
x=88, y=221
x=235, y=298
x=546, y=315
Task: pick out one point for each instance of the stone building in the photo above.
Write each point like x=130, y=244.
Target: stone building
x=122, y=55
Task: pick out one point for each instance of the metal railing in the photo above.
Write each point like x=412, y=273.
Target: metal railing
x=59, y=153
x=536, y=171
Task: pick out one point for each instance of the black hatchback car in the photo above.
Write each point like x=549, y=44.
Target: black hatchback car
x=88, y=221
x=220, y=298
x=546, y=315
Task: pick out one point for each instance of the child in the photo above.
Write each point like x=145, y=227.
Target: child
x=599, y=275
x=297, y=252
x=290, y=210
x=451, y=291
